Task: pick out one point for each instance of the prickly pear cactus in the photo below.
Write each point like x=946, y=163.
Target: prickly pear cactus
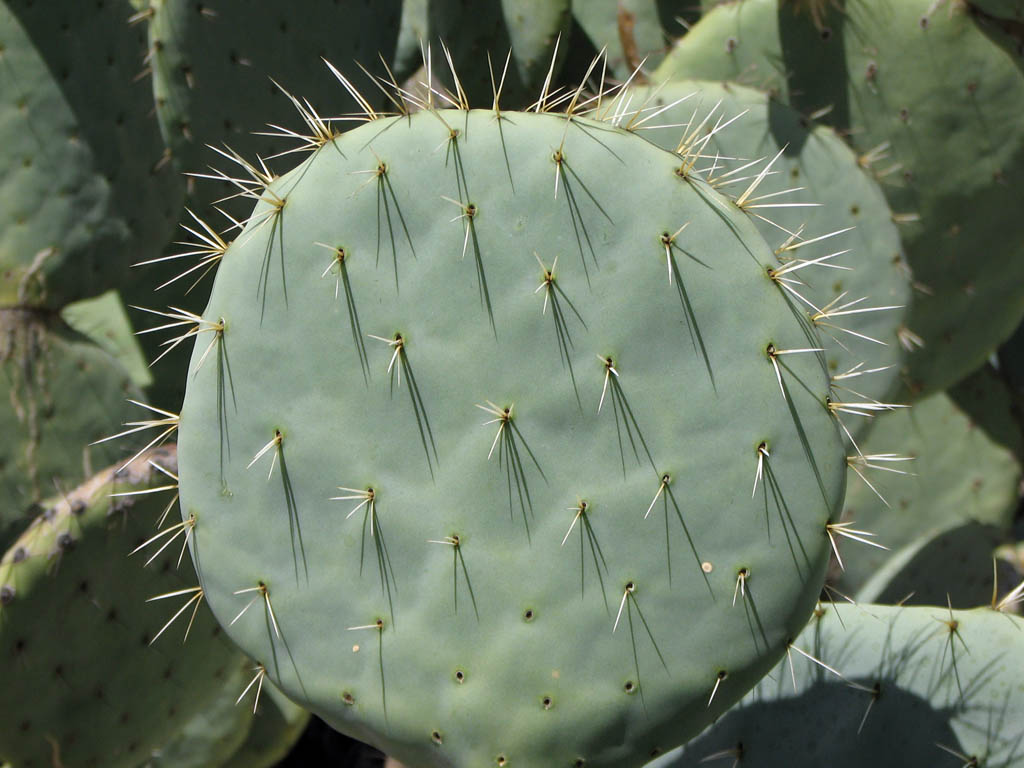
x=104, y=321
x=212, y=66
x=941, y=492
x=535, y=31
x=229, y=734
x=412, y=38
x=818, y=196
x=59, y=392
x=947, y=164
x=84, y=682
x=214, y=733
x=85, y=192
x=276, y=727
x=1010, y=10
x=634, y=32
x=920, y=687
x=489, y=408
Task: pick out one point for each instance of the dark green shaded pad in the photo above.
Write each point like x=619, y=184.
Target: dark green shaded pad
x=83, y=192
x=958, y=503
x=60, y=393
x=82, y=684
x=1010, y=10
x=214, y=733
x=412, y=35
x=634, y=30
x=989, y=397
x=276, y=727
x=963, y=690
x=213, y=63
x=1011, y=371
x=104, y=320
x=476, y=640
x=954, y=567
x=815, y=160
x=472, y=29
x=953, y=161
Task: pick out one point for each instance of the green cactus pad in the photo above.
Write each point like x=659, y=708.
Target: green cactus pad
x=412, y=35
x=1010, y=10
x=988, y=398
x=276, y=728
x=58, y=393
x=228, y=734
x=634, y=31
x=948, y=165
x=922, y=687
x=215, y=733
x=213, y=63
x=1011, y=371
x=82, y=190
x=83, y=685
x=472, y=29
x=536, y=525
x=956, y=504
x=104, y=320
x=822, y=170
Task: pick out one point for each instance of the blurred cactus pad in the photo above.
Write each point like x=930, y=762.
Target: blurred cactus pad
x=84, y=682
x=484, y=408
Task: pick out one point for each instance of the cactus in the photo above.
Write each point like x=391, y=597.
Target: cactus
x=947, y=164
x=276, y=726
x=213, y=734
x=74, y=622
x=213, y=62
x=819, y=194
x=104, y=321
x=1009, y=10
x=988, y=398
x=60, y=392
x=529, y=569
x=535, y=31
x=633, y=32
x=918, y=687
x=84, y=189
x=412, y=35
x=957, y=496
x=227, y=734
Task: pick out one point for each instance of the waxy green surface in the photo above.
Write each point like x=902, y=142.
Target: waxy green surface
x=522, y=645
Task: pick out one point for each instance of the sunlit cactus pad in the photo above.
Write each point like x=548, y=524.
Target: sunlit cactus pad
x=479, y=508
x=819, y=196
x=932, y=104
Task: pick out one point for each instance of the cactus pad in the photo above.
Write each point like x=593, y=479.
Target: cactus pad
x=213, y=63
x=948, y=165
x=863, y=297
x=465, y=496
x=534, y=30
x=58, y=393
x=922, y=687
x=83, y=685
x=82, y=187
x=956, y=501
